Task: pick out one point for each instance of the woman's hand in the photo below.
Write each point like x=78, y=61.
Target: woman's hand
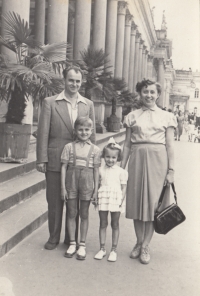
x=64, y=194
x=169, y=178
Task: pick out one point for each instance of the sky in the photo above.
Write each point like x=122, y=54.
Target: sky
x=183, y=28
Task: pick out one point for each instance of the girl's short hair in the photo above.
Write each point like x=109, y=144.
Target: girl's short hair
x=111, y=146
x=83, y=121
x=77, y=69
x=145, y=83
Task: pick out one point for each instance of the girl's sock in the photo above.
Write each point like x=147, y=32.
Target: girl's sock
x=114, y=248
x=102, y=247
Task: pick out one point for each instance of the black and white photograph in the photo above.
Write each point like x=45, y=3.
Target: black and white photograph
x=99, y=147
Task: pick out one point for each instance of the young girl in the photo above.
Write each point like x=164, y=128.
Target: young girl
x=80, y=170
x=111, y=195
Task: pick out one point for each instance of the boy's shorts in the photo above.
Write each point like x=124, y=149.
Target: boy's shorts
x=79, y=182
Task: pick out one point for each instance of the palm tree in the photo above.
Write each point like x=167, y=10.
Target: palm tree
x=36, y=70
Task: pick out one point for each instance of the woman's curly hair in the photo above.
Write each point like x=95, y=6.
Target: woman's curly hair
x=145, y=83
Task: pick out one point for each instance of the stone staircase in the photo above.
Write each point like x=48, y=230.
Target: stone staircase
x=23, y=206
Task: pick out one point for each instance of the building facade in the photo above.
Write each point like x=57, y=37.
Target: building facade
x=123, y=29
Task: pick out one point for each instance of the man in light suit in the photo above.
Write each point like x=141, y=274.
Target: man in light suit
x=55, y=130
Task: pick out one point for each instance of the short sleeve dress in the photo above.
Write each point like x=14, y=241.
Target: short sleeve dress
x=148, y=162
x=110, y=193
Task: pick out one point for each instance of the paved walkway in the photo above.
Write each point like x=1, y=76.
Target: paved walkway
x=174, y=269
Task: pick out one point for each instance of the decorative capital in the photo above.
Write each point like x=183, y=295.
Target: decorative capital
x=138, y=36
x=122, y=5
x=128, y=20
x=133, y=29
x=150, y=58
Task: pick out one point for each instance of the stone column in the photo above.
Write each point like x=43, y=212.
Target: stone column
x=140, y=61
x=70, y=35
x=161, y=78
x=146, y=59
x=22, y=7
x=111, y=32
x=82, y=26
x=99, y=24
x=57, y=21
x=39, y=22
x=150, y=66
x=143, y=62
x=136, y=60
x=120, y=39
x=132, y=56
x=127, y=40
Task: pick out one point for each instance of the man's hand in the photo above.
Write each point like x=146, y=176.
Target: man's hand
x=41, y=167
x=64, y=194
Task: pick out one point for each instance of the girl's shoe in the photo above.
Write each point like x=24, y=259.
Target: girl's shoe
x=100, y=254
x=70, y=251
x=81, y=253
x=112, y=256
x=145, y=255
x=135, y=253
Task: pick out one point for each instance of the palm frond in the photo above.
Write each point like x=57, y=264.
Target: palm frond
x=17, y=32
x=55, y=52
x=7, y=44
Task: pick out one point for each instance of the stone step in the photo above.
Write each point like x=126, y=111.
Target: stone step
x=17, y=190
x=23, y=205
x=9, y=171
x=18, y=222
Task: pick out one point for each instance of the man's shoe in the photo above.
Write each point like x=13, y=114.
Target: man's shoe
x=70, y=251
x=100, y=254
x=145, y=255
x=135, y=253
x=50, y=246
x=81, y=253
x=113, y=256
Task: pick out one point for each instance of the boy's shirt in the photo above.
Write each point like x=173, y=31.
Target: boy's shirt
x=81, y=154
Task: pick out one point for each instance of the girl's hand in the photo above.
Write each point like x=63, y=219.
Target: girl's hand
x=64, y=194
x=94, y=199
x=169, y=178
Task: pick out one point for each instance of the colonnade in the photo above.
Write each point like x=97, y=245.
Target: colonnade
x=113, y=30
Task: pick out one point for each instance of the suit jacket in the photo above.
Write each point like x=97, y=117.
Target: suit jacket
x=55, y=129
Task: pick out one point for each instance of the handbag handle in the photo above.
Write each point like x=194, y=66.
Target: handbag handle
x=163, y=193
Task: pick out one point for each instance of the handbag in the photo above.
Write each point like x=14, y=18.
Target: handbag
x=170, y=217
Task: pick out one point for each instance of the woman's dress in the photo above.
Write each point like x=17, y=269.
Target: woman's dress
x=148, y=163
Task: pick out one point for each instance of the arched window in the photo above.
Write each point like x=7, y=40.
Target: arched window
x=196, y=93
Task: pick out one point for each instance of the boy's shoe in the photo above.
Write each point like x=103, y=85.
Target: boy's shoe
x=70, y=251
x=145, y=255
x=100, y=254
x=81, y=253
x=112, y=256
x=135, y=253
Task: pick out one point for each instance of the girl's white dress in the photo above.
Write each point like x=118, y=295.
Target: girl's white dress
x=110, y=193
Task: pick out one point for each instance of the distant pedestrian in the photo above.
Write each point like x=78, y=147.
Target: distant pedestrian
x=111, y=195
x=191, y=131
x=180, y=120
x=79, y=181
x=150, y=145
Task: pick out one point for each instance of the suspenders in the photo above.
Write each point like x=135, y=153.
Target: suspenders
x=87, y=159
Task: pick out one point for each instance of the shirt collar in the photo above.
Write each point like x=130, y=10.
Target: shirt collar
x=112, y=167
x=62, y=96
x=88, y=141
x=154, y=108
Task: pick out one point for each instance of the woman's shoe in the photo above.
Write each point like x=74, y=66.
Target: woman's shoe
x=100, y=254
x=70, y=251
x=81, y=253
x=145, y=255
x=112, y=256
x=135, y=253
